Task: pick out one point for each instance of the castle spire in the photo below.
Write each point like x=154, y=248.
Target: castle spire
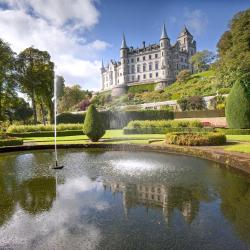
x=163, y=32
x=102, y=64
x=124, y=44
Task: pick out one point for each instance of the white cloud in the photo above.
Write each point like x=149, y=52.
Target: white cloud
x=196, y=20
x=75, y=58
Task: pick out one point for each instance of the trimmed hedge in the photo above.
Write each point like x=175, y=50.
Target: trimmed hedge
x=142, y=88
x=161, y=130
x=10, y=142
x=118, y=120
x=196, y=139
x=199, y=114
x=46, y=133
x=165, y=124
x=41, y=128
x=231, y=131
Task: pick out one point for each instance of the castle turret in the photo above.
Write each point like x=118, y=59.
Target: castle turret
x=165, y=50
x=124, y=61
x=186, y=41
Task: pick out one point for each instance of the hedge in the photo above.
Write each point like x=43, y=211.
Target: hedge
x=164, y=124
x=10, y=142
x=46, y=133
x=199, y=114
x=161, y=130
x=196, y=139
x=231, y=131
x=41, y=128
x=142, y=88
x=116, y=119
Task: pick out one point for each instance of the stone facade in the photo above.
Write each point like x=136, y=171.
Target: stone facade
x=153, y=63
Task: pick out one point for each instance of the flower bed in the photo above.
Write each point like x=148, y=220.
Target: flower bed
x=196, y=139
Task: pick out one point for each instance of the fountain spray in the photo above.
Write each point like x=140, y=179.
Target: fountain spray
x=57, y=82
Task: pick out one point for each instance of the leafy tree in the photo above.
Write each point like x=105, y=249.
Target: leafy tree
x=238, y=106
x=7, y=78
x=22, y=111
x=183, y=75
x=202, y=60
x=93, y=125
x=234, y=50
x=196, y=103
x=36, y=76
x=83, y=105
x=71, y=97
x=183, y=103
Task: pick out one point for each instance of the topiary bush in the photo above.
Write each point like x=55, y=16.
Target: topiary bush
x=93, y=125
x=196, y=139
x=238, y=107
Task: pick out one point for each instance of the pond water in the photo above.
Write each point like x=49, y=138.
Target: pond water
x=121, y=200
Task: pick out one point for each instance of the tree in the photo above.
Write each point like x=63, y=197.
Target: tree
x=183, y=75
x=234, y=51
x=71, y=97
x=93, y=126
x=36, y=76
x=183, y=103
x=22, y=111
x=202, y=60
x=83, y=105
x=238, y=106
x=7, y=78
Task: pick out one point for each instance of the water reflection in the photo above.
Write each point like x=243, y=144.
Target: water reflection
x=96, y=202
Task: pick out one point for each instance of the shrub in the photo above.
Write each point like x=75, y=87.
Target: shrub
x=238, y=107
x=10, y=142
x=164, y=124
x=231, y=131
x=196, y=103
x=183, y=75
x=93, y=125
x=183, y=103
x=196, y=139
x=39, y=128
x=70, y=118
x=163, y=130
x=142, y=88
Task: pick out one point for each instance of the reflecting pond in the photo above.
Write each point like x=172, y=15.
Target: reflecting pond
x=121, y=200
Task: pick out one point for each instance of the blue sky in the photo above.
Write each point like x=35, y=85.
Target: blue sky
x=79, y=34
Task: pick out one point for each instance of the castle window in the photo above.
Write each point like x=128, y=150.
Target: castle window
x=150, y=75
x=162, y=53
x=144, y=58
x=138, y=77
x=156, y=55
x=133, y=78
x=132, y=60
x=133, y=69
x=144, y=76
x=156, y=65
x=138, y=59
x=161, y=45
x=156, y=74
x=138, y=68
x=150, y=57
x=150, y=66
x=144, y=67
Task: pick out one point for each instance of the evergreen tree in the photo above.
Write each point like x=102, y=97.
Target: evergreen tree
x=238, y=106
x=93, y=126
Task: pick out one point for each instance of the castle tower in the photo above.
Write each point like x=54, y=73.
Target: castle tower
x=186, y=41
x=165, y=50
x=124, y=61
x=102, y=71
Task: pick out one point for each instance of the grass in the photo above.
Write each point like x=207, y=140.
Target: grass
x=239, y=138
x=245, y=148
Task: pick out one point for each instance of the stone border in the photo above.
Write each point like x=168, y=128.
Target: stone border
x=239, y=161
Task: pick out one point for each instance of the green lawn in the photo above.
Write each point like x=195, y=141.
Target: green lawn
x=245, y=148
x=239, y=137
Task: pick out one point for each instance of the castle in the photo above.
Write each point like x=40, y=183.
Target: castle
x=155, y=63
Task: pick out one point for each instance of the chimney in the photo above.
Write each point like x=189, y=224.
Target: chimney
x=143, y=44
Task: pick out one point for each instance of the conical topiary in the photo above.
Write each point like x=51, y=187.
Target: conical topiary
x=93, y=126
x=238, y=107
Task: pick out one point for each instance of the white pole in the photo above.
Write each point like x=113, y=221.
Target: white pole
x=55, y=109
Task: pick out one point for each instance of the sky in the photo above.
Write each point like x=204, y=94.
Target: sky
x=78, y=34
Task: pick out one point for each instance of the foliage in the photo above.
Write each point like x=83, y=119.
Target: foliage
x=149, y=87
x=21, y=111
x=71, y=98
x=7, y=79
x=234, y=50
x=192, y=103
x=35, y=74
x=102, y=99
x=40, y=128
x=93, y=125
x=201, y=60
x=183, y=75
x=164, y=124
x=83, y=105
x=218, y=102
x=196, y=139
x=164, y=130
x=231, y=131
x=238, y=107
x=10, y=142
